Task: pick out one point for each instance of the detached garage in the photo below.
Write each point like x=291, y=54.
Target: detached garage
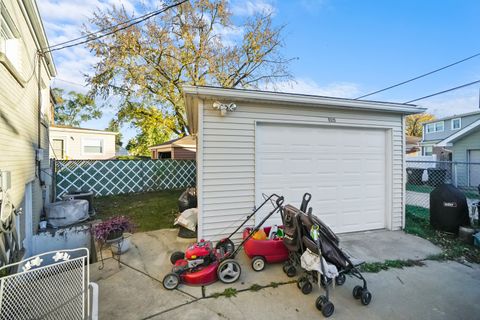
x=348, y=154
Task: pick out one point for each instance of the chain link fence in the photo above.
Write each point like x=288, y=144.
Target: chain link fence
x=424, y=176
x=110, y=177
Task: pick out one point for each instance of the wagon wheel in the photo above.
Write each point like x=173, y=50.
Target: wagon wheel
x=258, y=263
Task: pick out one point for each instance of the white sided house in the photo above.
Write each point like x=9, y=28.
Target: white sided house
x=349, y=154
x=72, y=143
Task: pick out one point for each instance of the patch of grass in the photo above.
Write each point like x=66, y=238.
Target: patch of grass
x=148, y=210
x=417, y=223
x=375, y=267
x=255, y=287
x=419, y=188
x=3, y=273
x=274, y=284
x=470, y=192
x=228, y=292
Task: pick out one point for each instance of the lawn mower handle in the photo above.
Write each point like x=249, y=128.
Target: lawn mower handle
x=278, y=202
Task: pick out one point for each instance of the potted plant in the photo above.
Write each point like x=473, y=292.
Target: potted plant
x=112, y=228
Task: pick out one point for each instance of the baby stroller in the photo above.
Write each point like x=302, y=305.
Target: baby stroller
x=315, y=248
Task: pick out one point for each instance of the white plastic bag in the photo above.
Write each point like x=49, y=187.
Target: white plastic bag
x=311, y=262
x=188, y=219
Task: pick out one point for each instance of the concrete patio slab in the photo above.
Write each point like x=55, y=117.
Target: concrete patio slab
x=381, y=245
x=435, y=291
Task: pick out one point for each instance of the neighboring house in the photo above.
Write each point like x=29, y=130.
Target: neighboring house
x=181, y=149
x=456, y=138
x=71, y=143
x=25, y=114
x=412, y=146
x=349, y=154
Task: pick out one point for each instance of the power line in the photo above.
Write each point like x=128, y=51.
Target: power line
x=418, y=77
x=104, y=29
x=444, y=91
x=89, y=39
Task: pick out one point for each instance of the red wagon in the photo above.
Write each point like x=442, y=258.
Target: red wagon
x=262, y=251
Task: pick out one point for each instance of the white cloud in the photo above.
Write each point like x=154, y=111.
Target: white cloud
x=454, y=103
x=250, y=8
x=309, y=86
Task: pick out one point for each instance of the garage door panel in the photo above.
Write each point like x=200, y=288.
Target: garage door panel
x=343, y=169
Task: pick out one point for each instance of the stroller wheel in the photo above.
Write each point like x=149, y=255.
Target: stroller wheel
x=357, y=292
x=258, y=263
x=285, y=266
x=340, y=280
x=291, y=271
x=171, y=281
x=229, y=271
x=300, y=282
x=325, y=306
x=366, y=297
x=177, y=255
x=306, y=287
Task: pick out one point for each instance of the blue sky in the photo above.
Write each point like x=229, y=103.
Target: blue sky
x=345, y=48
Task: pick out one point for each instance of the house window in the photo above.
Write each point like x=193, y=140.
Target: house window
x=427, y=151
x=456, y=123
x=93, y=146
x=439, y=126
x=435, y=127
x=10, y=44
x=58, y=148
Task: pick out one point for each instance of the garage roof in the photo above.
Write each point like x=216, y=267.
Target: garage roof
x=192, y=93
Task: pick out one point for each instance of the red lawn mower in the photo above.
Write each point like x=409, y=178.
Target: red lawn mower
x=202, y=263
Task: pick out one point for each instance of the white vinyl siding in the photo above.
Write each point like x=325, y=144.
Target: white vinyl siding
x=92, y=146
x=19, y=124
x=227, y=159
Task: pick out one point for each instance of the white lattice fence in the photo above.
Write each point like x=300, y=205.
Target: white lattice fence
x=109, y=177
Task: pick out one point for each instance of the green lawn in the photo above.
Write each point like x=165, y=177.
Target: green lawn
x=149, y=210
x=418, y=223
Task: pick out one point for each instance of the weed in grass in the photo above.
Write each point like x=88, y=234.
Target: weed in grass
x=255, y=287
x=274, y=284
x=375, y=267
x=230, y=292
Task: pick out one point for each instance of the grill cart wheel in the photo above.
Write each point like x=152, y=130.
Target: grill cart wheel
x=229, y=271
x=291, y=271
x=177, y=255
x=340, y=280
x=357, y=292
x=306, y=287
x=225, y=245
x=258, y=263
x=325, y=306
x=171, y=281
x=366, y=297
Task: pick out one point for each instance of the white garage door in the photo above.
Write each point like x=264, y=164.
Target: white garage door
x=343, y=168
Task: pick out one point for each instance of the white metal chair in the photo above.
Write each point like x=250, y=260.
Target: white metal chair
x=52, y=285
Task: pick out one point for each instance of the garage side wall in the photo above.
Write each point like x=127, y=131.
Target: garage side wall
x=227, y=163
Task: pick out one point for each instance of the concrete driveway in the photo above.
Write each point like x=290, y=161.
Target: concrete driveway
x=438, y=290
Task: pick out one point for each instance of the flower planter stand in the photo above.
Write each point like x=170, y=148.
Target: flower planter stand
x=114, y=241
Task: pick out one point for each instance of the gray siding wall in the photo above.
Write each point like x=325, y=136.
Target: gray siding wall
x=460, y=154
x=447, y=132
x=227, y=159
x=19, y=123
